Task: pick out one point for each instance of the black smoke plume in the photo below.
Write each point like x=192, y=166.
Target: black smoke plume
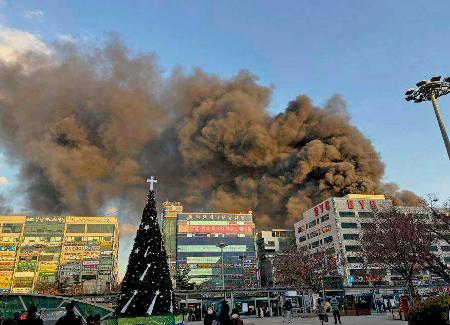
x=87, y=126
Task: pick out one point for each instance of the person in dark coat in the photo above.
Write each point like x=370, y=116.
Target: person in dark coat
x=210, y=316
x=70, y=318
x=235, y=320
x=32, y=318
x=224, y=317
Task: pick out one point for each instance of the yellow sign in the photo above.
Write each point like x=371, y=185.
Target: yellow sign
x=91, y=220
x=106, y=243
x=21, y=290
x=12, y=219
x=365, y=196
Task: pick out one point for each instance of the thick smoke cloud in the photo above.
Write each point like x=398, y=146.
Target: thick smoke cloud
x=87, y=126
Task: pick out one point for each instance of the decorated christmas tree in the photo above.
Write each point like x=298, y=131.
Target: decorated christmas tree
x=147, y=287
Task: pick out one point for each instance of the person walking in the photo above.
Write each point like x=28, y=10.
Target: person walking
x=327, y=306
x=287, y=311
x=235, y=320
x=224, y=317
x=335, y=308
x=70, y=318
x=210, y=316
x=321, y=311
x=32, y=318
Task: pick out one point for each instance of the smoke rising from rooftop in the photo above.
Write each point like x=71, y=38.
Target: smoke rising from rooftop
x=87, y=126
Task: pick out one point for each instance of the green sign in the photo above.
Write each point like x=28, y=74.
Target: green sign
x=151, y=320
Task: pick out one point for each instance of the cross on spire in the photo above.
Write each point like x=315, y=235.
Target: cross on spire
x=151, y=180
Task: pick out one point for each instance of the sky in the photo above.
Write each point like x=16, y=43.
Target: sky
x=369, y=52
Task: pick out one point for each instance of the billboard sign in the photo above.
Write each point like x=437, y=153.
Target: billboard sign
x=213, y=229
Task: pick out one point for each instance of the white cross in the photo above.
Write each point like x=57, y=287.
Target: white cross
x=151, y=180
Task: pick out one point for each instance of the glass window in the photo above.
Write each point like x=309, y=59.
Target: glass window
x=433, y=248
x=355, y=259
x=328, y=239
x=346, y=214
x=324, y=218
x=352, y=248
x=302, y=238
x=365, y=225
x=315, y=244
x=12, y=228
x=349, y=225
x=100, y=228
x=365, y=214
x=445, y=248
x=351, y=236
x=75, y=228
x=312, y=223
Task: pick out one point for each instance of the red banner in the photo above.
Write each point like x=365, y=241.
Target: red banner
x=230, y=229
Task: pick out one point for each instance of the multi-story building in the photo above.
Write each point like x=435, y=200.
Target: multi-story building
x=169, y=232
x=195, y=238
x=336, y=226
x=271, y=243
x=37, y=252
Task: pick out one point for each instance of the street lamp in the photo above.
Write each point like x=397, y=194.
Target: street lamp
x=430, y=90
x=222, y=245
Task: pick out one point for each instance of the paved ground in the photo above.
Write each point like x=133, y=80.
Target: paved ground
x=383, y=319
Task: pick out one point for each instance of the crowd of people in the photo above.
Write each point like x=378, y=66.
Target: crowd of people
x=223, y=317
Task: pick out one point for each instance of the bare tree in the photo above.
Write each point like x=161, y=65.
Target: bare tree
x=304, y=269
x=399, y=242
x=440, y=227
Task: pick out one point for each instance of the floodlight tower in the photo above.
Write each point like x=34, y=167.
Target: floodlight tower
x=430, y=90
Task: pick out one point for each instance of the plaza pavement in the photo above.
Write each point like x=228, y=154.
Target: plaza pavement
x=383, y=319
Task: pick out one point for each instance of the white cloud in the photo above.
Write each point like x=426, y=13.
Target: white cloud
x=68, y=38
x=14, y=42
x=3, y=181
x=34, y=14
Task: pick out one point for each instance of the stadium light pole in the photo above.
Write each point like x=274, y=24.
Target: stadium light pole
x=430, y=90
x=222, y=245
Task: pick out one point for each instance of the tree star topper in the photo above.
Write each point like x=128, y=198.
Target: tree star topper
x=151, y=180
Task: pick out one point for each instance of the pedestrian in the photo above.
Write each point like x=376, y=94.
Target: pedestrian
x=210, y=316
x=235, y=320
x=190, y=314
x=32, y=317
x=224, y=317
x=321, y=311
x=327, y=306
x=70, y=318
x=335, y=308
x=287, y=311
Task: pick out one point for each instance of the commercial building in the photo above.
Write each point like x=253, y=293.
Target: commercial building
x=196, y=238
x=169, y=232
x=271, y=243
x=38, y=253
x=336, y=225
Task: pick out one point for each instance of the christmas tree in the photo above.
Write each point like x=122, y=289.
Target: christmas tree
x=147, y=287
